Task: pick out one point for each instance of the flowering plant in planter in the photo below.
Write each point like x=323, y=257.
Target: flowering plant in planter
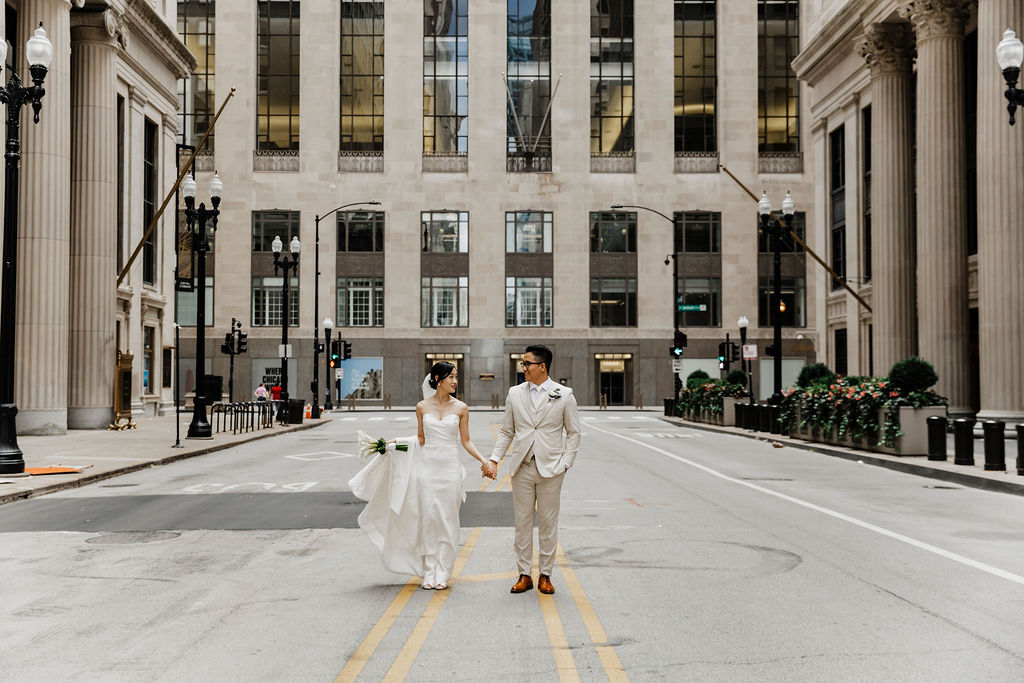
x=701, y=396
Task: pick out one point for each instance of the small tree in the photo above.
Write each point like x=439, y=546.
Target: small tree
x=815, y=373
x=736, y=377
x=913, y=374
x=696, y=378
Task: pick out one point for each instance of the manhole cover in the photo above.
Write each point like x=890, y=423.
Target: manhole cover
x=127, y=537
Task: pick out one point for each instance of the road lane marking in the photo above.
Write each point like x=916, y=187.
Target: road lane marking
x=564, y=663
x=609, y=660
x=921, y=545
x=493, y=576
x=366, y=648
x=404, y=661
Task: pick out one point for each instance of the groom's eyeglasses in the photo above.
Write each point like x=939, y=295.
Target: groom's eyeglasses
x=527, y=363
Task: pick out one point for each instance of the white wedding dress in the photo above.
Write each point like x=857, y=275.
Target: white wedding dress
x=413, y=500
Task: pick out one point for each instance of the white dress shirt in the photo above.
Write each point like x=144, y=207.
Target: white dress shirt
x=539, y=392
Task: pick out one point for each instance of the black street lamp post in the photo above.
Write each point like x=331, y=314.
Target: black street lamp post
x=747, y=365
x=38, y=52
x=1010, y=54
x=328, y=331
x=316, y=305
x=285, y=264
x=195, y=220
x=777, y=229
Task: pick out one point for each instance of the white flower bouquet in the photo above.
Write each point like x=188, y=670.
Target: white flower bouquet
x=368, y=446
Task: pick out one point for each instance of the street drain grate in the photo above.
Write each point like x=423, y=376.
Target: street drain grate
x=129, y=537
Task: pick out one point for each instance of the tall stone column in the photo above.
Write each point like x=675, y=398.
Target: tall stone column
x=93, y=216
x=941, y=194
x=1000, y=222
x=889, y=52
x=41, y=327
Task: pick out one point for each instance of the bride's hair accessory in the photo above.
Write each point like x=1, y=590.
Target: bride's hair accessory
x=368, y=446
x=440, y=372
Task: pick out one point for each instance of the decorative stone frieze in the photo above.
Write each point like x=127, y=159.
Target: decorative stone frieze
x=696, y=162
x=445, y=163
x=616, y=162
x=360, y=162
x=780, y=162
x=275, y=160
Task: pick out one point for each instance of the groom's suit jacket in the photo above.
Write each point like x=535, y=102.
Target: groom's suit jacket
x=540, y=430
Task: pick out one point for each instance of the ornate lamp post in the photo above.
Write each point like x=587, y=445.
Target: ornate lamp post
x=1010, y=53
x=285, y=264
x=777, y=229
x=196, y=220
x=328, y=331
x=316, y=306
x=38, y=52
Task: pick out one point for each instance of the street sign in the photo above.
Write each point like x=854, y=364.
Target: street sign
x=750, y=352
x=284, y=350
x=677, y=365
x=339, y=373
x=692, y=307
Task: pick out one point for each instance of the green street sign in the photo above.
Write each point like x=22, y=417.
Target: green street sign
x=684, y=308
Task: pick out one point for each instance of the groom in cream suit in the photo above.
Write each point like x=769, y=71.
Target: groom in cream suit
x=542, y=423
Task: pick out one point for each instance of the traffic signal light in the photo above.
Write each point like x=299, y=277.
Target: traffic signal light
x=243, y=342
x=721, y=353
x=335, y=349
x=678, y=344
x=346, y=350
x=734, y=352
x=224, y=348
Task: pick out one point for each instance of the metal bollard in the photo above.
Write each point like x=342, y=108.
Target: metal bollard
x=1020, y=452
x=774, y=411
x=995, y=446
x=741, y=415
x=963, y=441
x=936, y=437
x=765, y=418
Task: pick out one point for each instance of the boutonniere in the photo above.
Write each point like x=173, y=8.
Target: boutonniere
x=557, y=393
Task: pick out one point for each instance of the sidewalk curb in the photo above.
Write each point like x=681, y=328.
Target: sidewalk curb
x=128, y=469
x=962, y=478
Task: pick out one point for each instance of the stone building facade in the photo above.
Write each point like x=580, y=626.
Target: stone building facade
x=455, y=274
x=93, y=170
x=906, y=97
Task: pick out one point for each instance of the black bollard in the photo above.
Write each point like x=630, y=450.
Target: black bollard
x=764, y=418
x=1020, y=452
x=963, y=441
x=995, y=446
x=774, y=412
x=741, y=415
x=936, y=437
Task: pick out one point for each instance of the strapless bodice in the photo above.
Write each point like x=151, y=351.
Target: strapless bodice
x=440, y=433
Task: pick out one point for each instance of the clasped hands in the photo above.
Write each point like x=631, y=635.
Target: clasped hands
x=489, y=469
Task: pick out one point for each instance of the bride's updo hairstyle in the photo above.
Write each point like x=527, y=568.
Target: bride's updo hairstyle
x=440, y=372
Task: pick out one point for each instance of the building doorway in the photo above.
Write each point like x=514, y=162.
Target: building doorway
x=615, y=378
x=455, y=359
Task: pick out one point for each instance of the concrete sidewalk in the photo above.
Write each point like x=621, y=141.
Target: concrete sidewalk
x=102, y=454
x=974, y=475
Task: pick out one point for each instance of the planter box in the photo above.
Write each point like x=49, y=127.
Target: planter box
x=729, y=411
x=914, y=425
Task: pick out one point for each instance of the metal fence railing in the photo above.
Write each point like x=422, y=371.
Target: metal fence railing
x=242, y=417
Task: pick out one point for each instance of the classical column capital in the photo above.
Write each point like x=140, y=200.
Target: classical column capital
x=937, y=18
x=887, y=48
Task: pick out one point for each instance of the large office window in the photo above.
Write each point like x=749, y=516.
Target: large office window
x=611, y=77
x=445, y=232
x=867, y=193
x=837, y=187
x=529, y=79
x=778, y=103
x=696, y=77
x=528, y=232
x=362, y=76
x=445, y=76
x=360, y=302
x=841, y=353
x=266, y=225
x=612, y=302
x=445, y=302
x=528, y=301
x=150, y=177
x=267, y=297
x=613, y=232
x=197, y=29
x=698, y=232
x=277, y=78
x=701, y=299
x=793, y=308
x=361, y=231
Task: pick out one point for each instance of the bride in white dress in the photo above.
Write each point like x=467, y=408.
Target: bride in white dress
x=414, y=498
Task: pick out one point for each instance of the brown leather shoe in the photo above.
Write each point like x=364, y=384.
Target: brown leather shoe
x=544, y=584
x=524, y=584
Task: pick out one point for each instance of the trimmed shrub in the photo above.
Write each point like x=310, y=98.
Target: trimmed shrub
x=815, y=373
x=736, y=377
x=913, y=374
x=697, y=378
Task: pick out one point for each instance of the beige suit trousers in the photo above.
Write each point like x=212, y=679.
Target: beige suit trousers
x=531, y=491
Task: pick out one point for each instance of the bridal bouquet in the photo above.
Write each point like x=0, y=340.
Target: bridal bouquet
x=368, y=446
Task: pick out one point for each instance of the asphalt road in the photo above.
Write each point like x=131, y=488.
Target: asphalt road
x=686, y=556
